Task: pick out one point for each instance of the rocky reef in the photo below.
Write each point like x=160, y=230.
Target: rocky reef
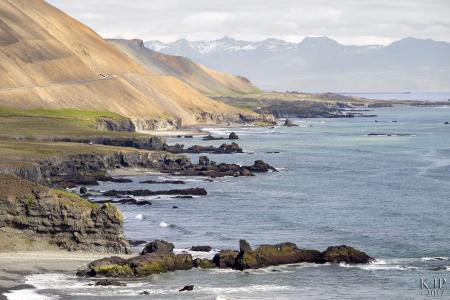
x=222, y=149
x=158, y=257
x=34, y=217
x=209, y=168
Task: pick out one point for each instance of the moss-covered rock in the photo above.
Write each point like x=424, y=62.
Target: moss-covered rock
x=204, y=263
x=225, y=259
x=139, y=266
x=271, y=255
x=347, y=254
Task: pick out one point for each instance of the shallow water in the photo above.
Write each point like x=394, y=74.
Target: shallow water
x=387, y=195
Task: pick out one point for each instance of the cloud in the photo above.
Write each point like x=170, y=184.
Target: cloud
x=348, y=21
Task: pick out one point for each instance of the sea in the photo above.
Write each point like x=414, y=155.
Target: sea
x=379, y=184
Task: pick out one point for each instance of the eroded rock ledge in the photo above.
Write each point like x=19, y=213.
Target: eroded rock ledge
x=34, y=217
x=158, y=257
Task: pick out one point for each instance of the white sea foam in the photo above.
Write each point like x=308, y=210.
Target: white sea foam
x=196, y=254
x=437, y=258
x=384, y=264
x=139, y=217
x=164, y=224
x=26, y=294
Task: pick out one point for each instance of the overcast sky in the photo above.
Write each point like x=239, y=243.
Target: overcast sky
x=348, y=21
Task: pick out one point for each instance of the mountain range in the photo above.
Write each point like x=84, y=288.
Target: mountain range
x=322, y=64
x=50, y=60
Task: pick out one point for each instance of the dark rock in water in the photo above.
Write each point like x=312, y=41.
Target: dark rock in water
x=174, y=207
x=133, y=201
x=347, y=254
x=112, y=179
x=376, y=121
x=125, y=201
x=440, y=268
x=446, y=123
x=187, y=288
x=145, y=293
x=204, y=263
x=233, y=136
x=212, y=138
x=261, y=167
x=225, y=259
x=244, y=246
x=134, y=243
x=273, y=152
x=201, y=248
x=272, y=255
x=203, y=161
x=189, y=191
x=394, y=121
x=211, y=169
x=188, y=137
x=223, y=149
x=163, y=181
x=158, y=246
x=109, y=282
x=83, y=190
x=289, y=123
x=183, y=197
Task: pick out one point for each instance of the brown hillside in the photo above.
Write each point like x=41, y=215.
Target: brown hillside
x=50, y=60
x=201, y=78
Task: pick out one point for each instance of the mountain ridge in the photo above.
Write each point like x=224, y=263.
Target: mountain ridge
x=322, y=64
x=201, y=78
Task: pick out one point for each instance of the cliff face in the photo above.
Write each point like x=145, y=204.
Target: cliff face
x=33, y=217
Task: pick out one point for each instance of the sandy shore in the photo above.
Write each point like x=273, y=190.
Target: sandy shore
x=14, y=266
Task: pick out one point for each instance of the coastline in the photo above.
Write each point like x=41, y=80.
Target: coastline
x=15, y=266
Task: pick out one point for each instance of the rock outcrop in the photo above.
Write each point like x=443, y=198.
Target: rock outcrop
x=158, y=246
x=159, y=258
x=209, y=168
x=222, y=149
x=34, y=217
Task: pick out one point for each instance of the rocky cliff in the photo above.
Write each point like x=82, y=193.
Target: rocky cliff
x=34, y=217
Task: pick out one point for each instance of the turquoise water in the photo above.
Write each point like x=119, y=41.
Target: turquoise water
x=386, y=195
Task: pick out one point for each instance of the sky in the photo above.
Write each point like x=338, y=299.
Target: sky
x=356, y=22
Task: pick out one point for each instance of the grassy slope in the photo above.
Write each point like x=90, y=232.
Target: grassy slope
x=62, y=122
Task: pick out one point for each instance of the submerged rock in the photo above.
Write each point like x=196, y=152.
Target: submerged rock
x=189, y=191
x=289, y=123
x=201, y=248
x=109, y=282
x=158, y=246
x=233, y=136
x=187, y=288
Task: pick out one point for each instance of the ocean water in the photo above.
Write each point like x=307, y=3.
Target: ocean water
x=387, y=195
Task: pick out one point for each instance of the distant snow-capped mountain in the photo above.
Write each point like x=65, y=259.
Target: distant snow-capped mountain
x=323, y=64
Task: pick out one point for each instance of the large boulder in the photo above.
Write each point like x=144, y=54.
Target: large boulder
x=346, y=254
x=233, y=136
x=260, y=166
x=158, y=246
x=272, y=255
x=225, y=259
